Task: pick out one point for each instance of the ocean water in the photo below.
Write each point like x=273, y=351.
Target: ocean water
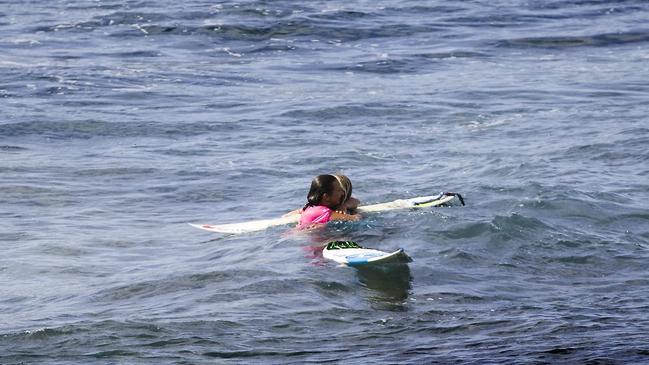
x=121, y=121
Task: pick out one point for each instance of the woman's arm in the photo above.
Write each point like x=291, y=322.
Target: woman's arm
x=338, y=216
x=349, y=206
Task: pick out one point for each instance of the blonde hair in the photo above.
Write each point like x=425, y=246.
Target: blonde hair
x=345, y=184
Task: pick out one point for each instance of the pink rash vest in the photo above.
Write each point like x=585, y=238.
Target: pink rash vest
x=318, y=214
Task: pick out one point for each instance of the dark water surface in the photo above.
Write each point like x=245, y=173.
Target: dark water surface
x=121, y=121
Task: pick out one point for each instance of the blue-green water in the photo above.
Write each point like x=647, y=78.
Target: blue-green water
x=121, y=121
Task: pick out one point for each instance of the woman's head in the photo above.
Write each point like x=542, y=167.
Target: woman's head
x=326, y=190
x=346, y=184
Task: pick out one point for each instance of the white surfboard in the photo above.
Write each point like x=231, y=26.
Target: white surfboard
x=260, y=225
x=351, y=254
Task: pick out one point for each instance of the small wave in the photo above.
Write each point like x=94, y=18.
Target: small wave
x=42, y=333
x=249, y=24
x=564, y=42
x=294, y=29
x=470, y=230
x=516, y=224
x=610, y=152
x=85, y=129
x=9, y=148
x=404, y=64
x=261, y=353
x=334, y=113
x=147, y=289
x=114, y=171
x=136, y=54
x=37, y=196
x=114, y=353
x=457, y=254
x=120, y=18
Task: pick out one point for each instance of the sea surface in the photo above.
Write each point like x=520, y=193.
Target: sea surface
x=121, y=121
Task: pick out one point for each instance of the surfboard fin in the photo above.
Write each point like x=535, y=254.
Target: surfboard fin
x=458, y=195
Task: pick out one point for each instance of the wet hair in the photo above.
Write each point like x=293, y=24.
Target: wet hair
x=346, y=184
x=321, y=185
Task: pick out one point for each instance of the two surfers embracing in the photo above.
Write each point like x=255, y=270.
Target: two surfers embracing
x=329, y=199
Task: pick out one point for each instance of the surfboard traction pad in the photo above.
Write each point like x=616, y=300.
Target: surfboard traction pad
x=338, y=245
